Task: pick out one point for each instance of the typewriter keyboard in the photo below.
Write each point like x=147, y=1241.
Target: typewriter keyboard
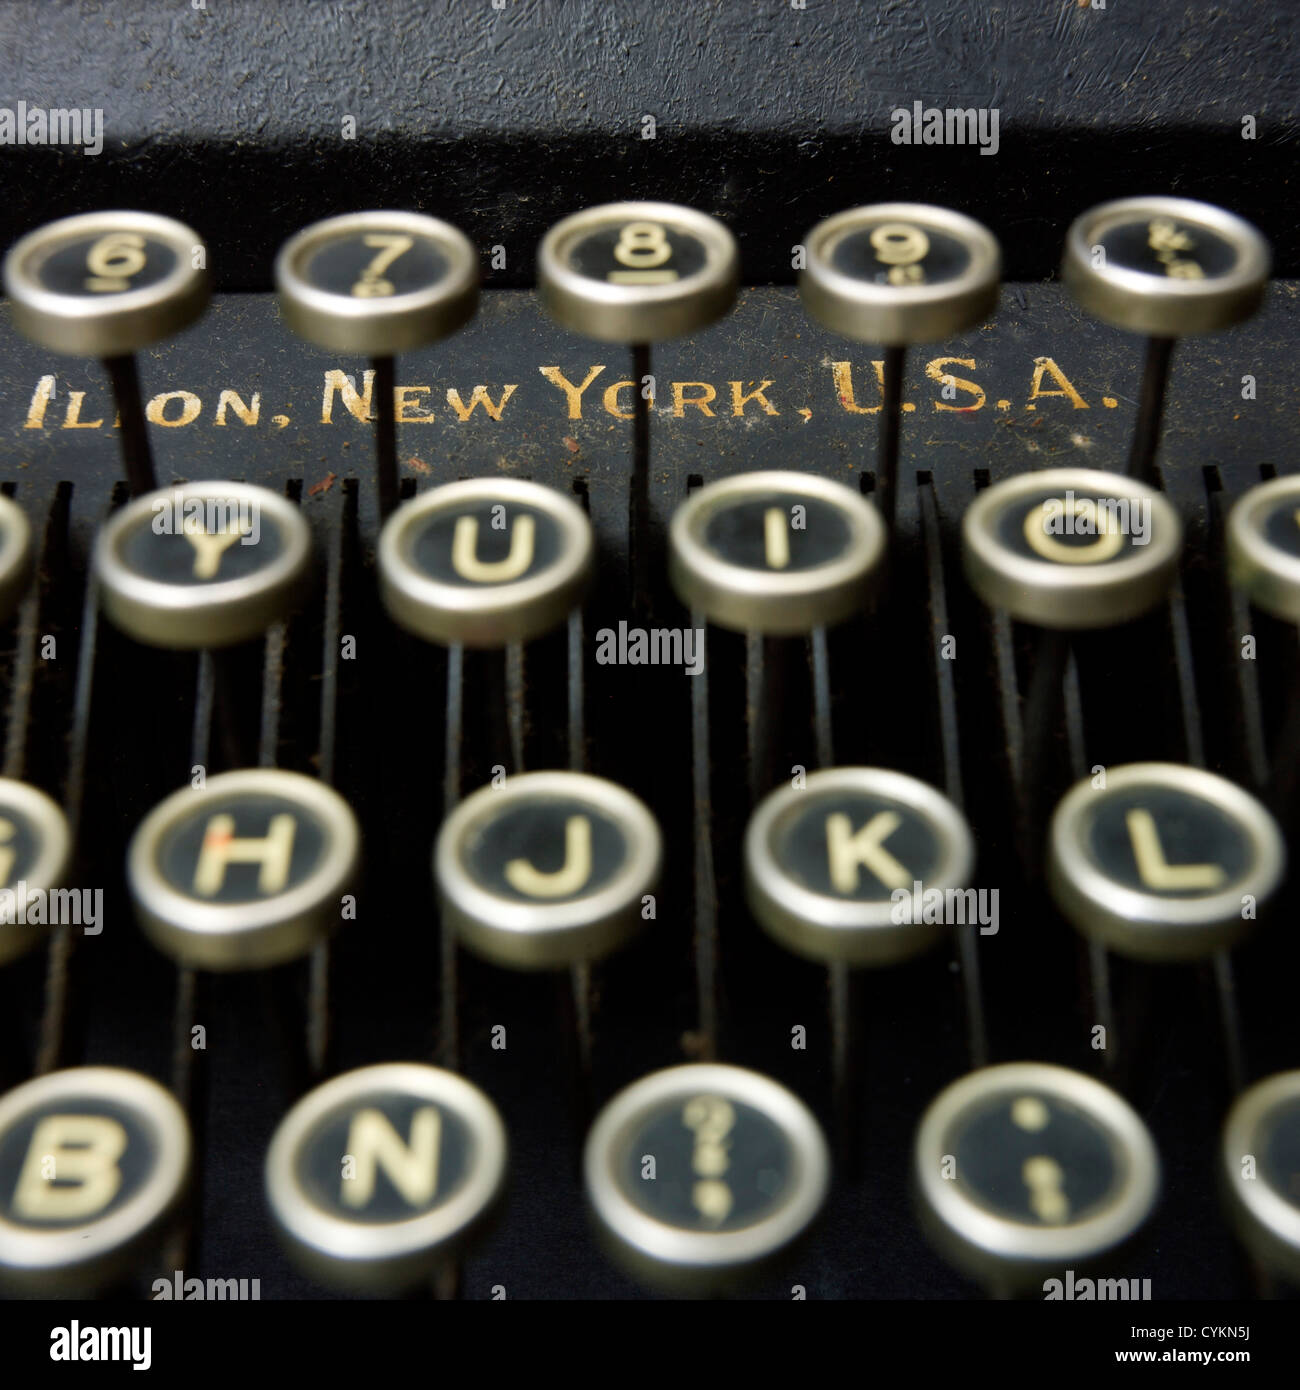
x=652, y=786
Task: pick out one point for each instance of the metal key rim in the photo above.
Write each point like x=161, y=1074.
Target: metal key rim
x=428, y=1232
x=638, y=313
x=27, y=1249
x=646, y=1235
x=983, y=1234
x=80, y=326
x=378, y=327
x=251, y=934
x=869, y=312
x=157, y=613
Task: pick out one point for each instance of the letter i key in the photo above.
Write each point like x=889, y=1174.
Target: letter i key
x=772, y=553
x=376, y=284
x=106, y=284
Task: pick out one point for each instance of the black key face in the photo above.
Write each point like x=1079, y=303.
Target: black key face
x=73, y=1159
x=242, y=848
x=779, y=531
x=104, y=264
x=706, y=1163
x=551, y=849
x=1030, y=1157
x=1075, y=528
x=1279, y=1152
x=636, y=253
x=485, y=543
x=1160, y=840
x=1166, y=247
x=856, y=846
x=344, y=1165
x=900, y=253
x=374, y=264
x=1281, y=525
x=197, y=541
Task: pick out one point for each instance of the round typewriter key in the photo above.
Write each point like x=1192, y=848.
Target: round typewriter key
x=637, y=272
x=549, y=869
x=895, y=274
x=1261, y=1170
x=1027, y=1169
x=377, y=1176
x=1163, y=862
x=485, y=562
x=701, y=1174
x=244, y=872
x=853, y=867
x=377, y=283
x=34, y=852
x=900, y=273
x=202, y=564
x=1264, y=546
x=17, y=557
x=1071, y=547
x=92, y=1163
x=776, y=552
x=105, y=284
x=1163, y=267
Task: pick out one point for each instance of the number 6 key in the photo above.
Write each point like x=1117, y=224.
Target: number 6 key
x=106, y=284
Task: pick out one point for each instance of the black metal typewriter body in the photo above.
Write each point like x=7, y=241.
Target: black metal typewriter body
x=771, y=117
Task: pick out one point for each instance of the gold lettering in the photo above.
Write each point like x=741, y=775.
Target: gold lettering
x=572, y=393
x=156, y=411
x=479, y=397
x=72, y=419
x=611, y=400
x=701, y=401
x=232, y=400
x=41, y=398
x=338, y=383
x=1045, y=365
x=739, y=398
x=934, y=369
x=406, y=405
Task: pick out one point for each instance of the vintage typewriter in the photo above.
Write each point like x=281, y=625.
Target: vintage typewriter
x=684, y=715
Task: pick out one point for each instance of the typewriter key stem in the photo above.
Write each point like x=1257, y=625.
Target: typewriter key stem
x=449, y=1026
x=137, y=458
x=639, y=513
x=1151, y=409
x=383, y=385
x=890, y=414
